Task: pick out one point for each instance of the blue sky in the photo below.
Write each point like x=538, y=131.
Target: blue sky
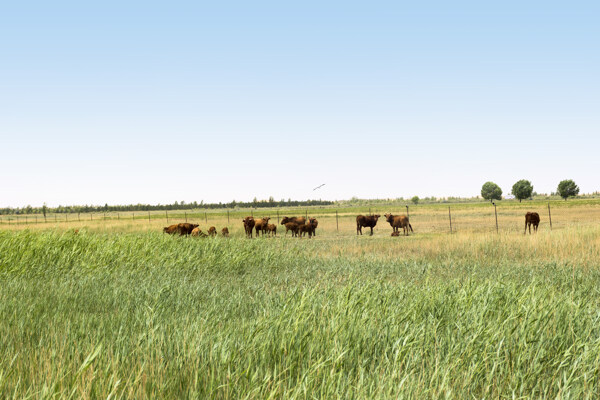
x=152, y=102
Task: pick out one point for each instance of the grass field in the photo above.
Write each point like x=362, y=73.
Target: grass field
x=122, y=311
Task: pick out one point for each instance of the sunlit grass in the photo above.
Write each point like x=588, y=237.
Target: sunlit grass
x=147, y=315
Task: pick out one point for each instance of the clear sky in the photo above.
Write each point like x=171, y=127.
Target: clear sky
x=141, y=101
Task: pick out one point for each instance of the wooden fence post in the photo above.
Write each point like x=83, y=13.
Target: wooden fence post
x=549, y=216
x=450, y=219
x=277, y=217
x=79, y=216
x=185, y=212
x=205, y=217
x=337, y=225
x=167, y=214
x=407, y=213
x=148, y=216
x=496, y=213
x=227, y=217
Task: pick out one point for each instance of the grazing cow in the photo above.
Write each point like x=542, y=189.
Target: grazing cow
x=212, y=231
x=296, y=220
x=197, y=232
x=399, y=221
x=291, y=226
x=272, y=229
x=261, y=225
x=368, y=221
x=532, y=218
x=225, y=232
x=182, y=229
x=308, y=228
x=395, y=233
x=171, y=229
x=248, y=225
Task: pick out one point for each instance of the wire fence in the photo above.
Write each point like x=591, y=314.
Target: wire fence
x=424, y=219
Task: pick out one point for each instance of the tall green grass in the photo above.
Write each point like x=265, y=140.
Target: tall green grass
x=152, y=316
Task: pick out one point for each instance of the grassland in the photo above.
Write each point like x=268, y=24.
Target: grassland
x=123, y=311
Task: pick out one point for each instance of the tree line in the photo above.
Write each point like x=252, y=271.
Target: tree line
x=162, y=207
x=523, y=189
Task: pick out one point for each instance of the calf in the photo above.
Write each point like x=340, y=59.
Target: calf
x=197, y=232
x=272, y=229
x=368, y=221
x=308, y=228
x=212, y=231
x=225, y=232
x=291, y=226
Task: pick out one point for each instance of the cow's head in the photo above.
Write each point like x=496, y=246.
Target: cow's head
x=388, y=217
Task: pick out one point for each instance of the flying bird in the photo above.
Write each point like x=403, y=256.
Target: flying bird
x=318, y=187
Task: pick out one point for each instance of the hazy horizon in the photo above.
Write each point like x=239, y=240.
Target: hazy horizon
x=141, y=103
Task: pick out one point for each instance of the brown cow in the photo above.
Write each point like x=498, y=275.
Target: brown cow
x=171, y=229
x=291, y=226
x=212, y=231
x=399, y=221
x=197, y=232
x=225, y=232
x=395, y=233
x=248, y=225
x=261, y=225
x=296, y=220
x=272, y=229
x=310, y=228
x=532, y=218
x=368, y=221
x=182, y=229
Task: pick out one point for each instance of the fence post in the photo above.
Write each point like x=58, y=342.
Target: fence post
x=167, y=214
x=185, y=212
x=277, y=217
x=105, y=216
x=549, y=216
x=407, y=213
x=45, y=220
x=118, y=217
x=227, y=217
x=306, y=215
x=370, y=211
x=36, y=219
x=148, y=216
x=205, y=217
x=79, y=216
x=25, y=219
x=450, y=219
x=133, y=216
x=496, y=213
x=54, y=218
x=91, y=216
x=66, y=217
x=337, y=225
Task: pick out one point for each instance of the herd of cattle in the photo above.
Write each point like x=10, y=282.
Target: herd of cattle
x=299, y=226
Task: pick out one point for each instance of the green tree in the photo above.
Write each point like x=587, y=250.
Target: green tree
x=522, y=189
x=567, y=188
x=415, y=200
x=490, y=191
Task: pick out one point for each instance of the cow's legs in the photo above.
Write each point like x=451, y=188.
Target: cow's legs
x=371, y=231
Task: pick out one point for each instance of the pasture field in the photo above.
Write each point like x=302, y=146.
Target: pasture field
x=120, y=310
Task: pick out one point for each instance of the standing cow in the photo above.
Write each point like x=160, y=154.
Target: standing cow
x=248, y=225
x=531, y=218
x=399, y=221
x=368, y=221
x=261, y=225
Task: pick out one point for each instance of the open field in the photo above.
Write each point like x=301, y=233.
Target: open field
x=430, y=218
x=122, y=310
